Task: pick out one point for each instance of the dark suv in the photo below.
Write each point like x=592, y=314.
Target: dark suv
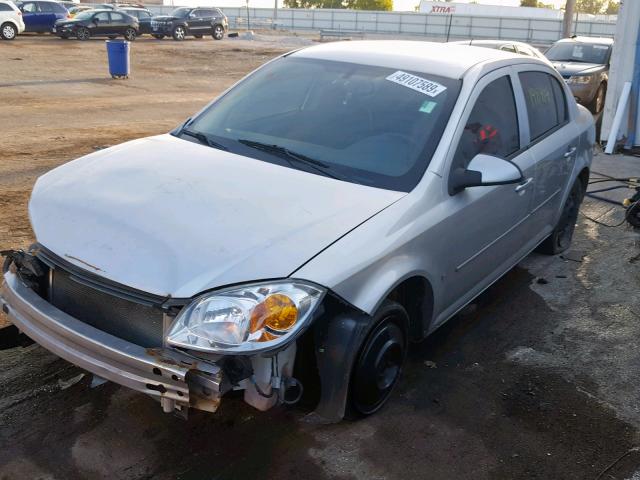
x=185, y=21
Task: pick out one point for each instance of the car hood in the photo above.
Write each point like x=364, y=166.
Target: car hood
x=174, y=218
x=567, y=69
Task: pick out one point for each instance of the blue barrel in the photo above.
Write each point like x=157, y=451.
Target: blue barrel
x=118, y=54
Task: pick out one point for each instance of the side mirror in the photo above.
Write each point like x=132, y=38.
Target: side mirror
x=484, y=170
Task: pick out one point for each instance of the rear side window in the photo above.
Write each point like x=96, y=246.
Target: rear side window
x=142, y=14
x=46, y=7
x=59, y=8
x=5, y=7
x=508, y=48
x=117, y=17
x=492, y=126
x=205, y=13
x=546, y=103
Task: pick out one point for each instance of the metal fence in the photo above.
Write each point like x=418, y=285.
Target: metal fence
x=443, y=27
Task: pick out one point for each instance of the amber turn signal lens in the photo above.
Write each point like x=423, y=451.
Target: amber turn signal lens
x=277, y=312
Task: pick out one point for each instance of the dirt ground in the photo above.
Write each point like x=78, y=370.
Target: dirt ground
x=536, y=380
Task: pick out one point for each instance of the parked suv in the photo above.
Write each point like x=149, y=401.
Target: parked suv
x=185, y=21
x=11, y=23
x=584, y=64
x=41, y=15
x=142, y=14
x=98, y=23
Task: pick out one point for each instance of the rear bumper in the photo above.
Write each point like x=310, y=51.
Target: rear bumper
x=177, y=380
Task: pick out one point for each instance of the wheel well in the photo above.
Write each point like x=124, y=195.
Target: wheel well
x=416, y=296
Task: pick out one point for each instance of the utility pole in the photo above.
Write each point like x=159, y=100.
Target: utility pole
x=567, y=22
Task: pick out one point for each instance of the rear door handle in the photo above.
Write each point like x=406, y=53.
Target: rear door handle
x=524, y=185
x=570, y=152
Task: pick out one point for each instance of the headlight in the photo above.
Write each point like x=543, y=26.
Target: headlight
x=580, y=79
x=245, y=319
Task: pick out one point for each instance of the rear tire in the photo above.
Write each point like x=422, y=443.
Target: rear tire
x=218, y=32
x=8, y=31
x=378, y=365
x=560, y=238
x=179, y=33
x=130, y=34
x=83, y=34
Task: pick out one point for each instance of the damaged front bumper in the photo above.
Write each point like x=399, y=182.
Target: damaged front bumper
x=176, y=379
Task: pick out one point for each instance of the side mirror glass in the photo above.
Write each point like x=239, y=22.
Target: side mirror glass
x=484, y=170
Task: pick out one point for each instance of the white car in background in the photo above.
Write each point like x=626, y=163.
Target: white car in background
x=11, y=23
x=520, y=48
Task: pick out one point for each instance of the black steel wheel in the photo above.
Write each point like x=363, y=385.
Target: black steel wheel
x=218, y=32
x=83, y=34
x=379, y=363
x=560, y=238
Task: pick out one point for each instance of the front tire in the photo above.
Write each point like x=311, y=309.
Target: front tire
x=130, y=34
x=560, y=238
x=179, y=33
x=8, y=31
x=218, y=32
x=83, y=34
x=378, y=366
x=597, y=104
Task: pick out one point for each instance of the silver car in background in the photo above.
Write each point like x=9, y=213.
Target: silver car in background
x=295, y=234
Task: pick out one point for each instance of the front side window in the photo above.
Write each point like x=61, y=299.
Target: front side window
x=546, y=104
x=364, y=124
x=579, y=52
x=492, y=126
x=102, y=17
x=30, y=7
x=181, y=12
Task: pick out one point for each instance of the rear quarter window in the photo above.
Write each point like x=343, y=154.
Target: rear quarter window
x=5, y=7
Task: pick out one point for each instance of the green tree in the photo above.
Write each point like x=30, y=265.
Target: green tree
x=313, y=3
x=370, y=4
x=528, y=3
x=593, y=7
x=613, y=8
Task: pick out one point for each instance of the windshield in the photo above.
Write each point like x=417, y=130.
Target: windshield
x=579, y=52
x=180, y=12
x=369, y=125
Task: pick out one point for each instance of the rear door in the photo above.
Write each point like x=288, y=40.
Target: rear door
x=47, y=16
x=119, y=23
x=553, y=142
x=485, y=229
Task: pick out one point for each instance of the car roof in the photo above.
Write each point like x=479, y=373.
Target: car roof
x=445, y=59
x=598, y=40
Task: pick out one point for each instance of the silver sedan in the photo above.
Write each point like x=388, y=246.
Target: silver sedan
x=300, y=229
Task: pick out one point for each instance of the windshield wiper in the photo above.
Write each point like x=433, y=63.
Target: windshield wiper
x=289, y=155
x=202, y=138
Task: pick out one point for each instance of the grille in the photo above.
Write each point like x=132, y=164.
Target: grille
x=134, y=322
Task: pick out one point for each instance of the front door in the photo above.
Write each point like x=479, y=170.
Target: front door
x=486, y=229
x=31, y=16
x=553, y=144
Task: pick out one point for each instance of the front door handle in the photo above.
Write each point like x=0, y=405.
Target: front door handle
x=524, y=185
x=570, y=152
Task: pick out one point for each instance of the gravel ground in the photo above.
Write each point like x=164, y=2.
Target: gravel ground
x=536, y=380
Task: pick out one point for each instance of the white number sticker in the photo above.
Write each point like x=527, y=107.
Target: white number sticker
x=418, y=84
